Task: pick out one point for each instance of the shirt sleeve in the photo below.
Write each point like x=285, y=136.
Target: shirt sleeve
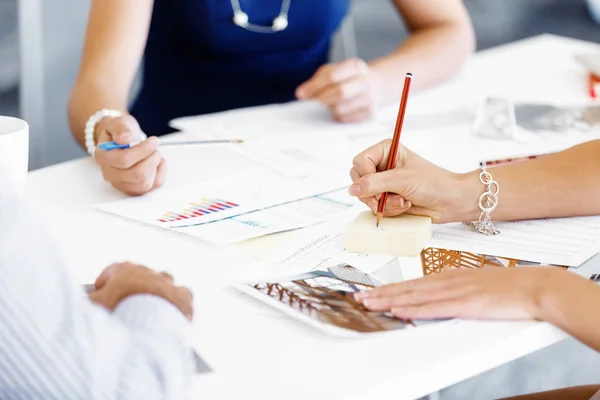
x=56, y=344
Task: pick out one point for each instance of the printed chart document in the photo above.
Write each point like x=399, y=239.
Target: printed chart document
x=240, y=208
x=558, y=241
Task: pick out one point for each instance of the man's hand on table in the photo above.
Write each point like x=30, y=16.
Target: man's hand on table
x=119, y=281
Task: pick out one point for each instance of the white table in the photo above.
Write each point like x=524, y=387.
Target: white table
x=266, y=354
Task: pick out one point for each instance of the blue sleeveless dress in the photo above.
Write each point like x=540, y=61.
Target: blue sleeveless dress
x=198, y=61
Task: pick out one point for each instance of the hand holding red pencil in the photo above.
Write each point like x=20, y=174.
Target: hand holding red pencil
x=393, y=180
x=415, y=185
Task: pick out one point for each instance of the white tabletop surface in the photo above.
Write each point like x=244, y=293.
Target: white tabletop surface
x=259, y=353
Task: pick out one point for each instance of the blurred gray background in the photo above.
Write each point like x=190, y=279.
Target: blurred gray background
x=51, y=35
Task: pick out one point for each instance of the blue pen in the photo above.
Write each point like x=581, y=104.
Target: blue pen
x=108, y=146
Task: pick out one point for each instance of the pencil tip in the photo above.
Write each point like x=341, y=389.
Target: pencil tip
x=238, y=141
x=409, y=74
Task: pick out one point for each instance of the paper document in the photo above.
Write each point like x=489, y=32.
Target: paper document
x=276, y=120
x=294, y=139
x=321, y=247
x=590, y=269
x=239, y=209
x=560, y=241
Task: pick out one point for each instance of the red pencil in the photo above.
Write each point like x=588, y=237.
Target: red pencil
x=395, y=142
x=592, y=86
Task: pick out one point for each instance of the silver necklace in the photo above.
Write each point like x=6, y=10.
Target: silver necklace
x=279, y=24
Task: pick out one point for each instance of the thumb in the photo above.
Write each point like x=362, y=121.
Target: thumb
x=105, y=276
x=374, y=184
x=122, y=129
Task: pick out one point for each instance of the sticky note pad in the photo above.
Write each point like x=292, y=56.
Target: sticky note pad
x=404, y=235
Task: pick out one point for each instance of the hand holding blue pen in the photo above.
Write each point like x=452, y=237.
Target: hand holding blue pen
x=108, y=146
x=129, y=161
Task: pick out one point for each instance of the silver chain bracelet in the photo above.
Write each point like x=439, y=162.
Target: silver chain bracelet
x=487, y=203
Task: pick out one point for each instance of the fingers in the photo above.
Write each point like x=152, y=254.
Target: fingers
x=126, y=279
x=127, y=158
x=374, y=184
x=395, y=205
x=339, y=95
x=102, y=279
x=354, y=175
x=419, y=297
x=161, y=174
x=366, y=164
x=370, y=160
x=139, y=179
x=429, y=282
x=183, y=299
x=167, y=276
x=135, y=170
x=354, y=116
x=108, y=273
x=329, y=75
x=439, y=310
x=123, y=130
x=346, y=88
x=442, y=295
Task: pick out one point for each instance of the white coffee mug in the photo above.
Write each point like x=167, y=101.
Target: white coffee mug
x=14, y=156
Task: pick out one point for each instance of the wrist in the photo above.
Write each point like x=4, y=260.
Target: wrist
x=383, y=90
x=91, y=127
x=464, y=190
x=545, y=294
x=113, y=294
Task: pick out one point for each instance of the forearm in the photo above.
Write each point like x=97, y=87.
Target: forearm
x=558, y=185
x=569, y=302
x=115, y=38
x=89, y=96
x=432, y=54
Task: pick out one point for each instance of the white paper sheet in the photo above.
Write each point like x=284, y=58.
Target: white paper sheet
x=294, y=139
x=240, y=208
x=590, y=269
x=561, y=241
x=319, y=247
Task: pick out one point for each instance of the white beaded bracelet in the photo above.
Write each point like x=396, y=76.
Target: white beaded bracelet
x=90, y=127
x=487, y=203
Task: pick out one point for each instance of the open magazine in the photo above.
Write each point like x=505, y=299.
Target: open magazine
x=325, y=300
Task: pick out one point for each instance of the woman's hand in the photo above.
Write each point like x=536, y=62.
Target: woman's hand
x=491, y=293
x=348, y=88
x=416, y=186
x=136, y=170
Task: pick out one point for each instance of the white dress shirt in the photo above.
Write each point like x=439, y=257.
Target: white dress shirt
x=56, y=344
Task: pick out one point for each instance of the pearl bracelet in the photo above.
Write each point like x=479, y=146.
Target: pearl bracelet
x=487, y=203
x=90, y=127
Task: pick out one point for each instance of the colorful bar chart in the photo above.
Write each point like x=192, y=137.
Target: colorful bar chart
x=198, y=209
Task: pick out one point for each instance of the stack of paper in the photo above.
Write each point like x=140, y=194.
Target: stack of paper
x=560, y=241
